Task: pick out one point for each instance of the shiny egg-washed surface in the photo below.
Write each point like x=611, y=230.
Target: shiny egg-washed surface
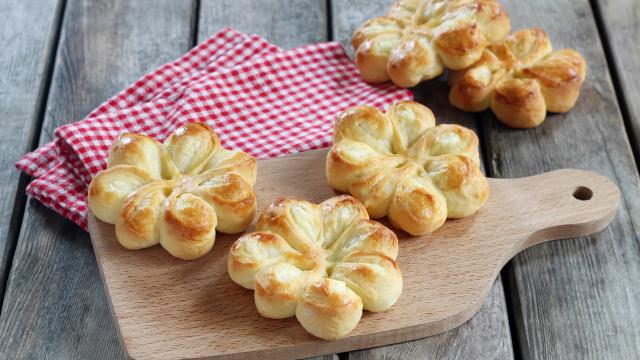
x=321, y=263
x=400, y=165
x=520, y=79
x=418, y=39
x=176, y=194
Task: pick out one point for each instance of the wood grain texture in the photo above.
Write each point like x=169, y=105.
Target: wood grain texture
x=55, y=305
x=285, y=23
x=28, y=39
x=578, y=298
x=169, y=308
x=487, y=335
x=621, y=26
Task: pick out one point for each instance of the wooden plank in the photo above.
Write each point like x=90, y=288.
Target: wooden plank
x=28, y=35
x=578, y=298
x=55, y=305
x=284, y=23
x=620, y=23
x=486, y=335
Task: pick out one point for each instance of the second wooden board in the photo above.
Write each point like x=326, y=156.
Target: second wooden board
x=168, y=308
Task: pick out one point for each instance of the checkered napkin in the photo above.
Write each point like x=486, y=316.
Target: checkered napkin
x=259, y=98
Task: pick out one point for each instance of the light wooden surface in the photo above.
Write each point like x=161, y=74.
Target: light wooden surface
x=560, y=300
x=168, y=308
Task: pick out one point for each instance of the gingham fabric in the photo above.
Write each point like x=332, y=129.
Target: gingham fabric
x=224, y=49
x=258, y=98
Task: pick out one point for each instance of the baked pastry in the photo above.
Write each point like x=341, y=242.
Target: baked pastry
x=175, y=194
x=419, y=38
x=400, y=165
x=520, y=79
x=322, y=263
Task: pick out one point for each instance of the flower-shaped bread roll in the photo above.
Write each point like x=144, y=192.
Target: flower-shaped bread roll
x=419, y=38
x=521, y=79
x=322, y=263
x=400, y=165
x=175, y=194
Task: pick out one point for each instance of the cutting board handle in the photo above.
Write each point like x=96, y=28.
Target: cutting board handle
x=560, y=204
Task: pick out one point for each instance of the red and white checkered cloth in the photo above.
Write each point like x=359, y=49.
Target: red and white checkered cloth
x=263, y=100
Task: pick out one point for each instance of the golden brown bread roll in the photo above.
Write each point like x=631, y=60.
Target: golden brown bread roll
x=175, y=194
x=400, y=165
x=417, y=39
x=322, y=263
x=520, y=79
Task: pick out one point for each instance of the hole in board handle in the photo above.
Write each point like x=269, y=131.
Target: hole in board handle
x=583, y=193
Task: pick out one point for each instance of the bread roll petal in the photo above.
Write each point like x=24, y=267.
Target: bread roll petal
x=493, y=20
x=460, y=45
x=278, y=288
x=254, y=251
x=364, y=235
x=372, y=56
x=348, y=161
x=328, y=309
x=191, y=146
x=375, y=27
x=528, y=45
x=233, y=161
x=560, y=76
x=409, y=120
x=298, y=222
x=187, y=226
x=519, y=103
x=137, y=221
x=376, y=189
x=338, y=213
x=109, y=189
x=233, y=200
x=445, y=139
x=471, y=88
x=417, y=206
x=404, y=9
x=365, y=124
x=376, y=278
x=413, y=60
x=139, y=151
x=462, y=183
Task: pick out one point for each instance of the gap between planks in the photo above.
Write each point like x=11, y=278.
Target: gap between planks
x=20, y=197
x=621, y=98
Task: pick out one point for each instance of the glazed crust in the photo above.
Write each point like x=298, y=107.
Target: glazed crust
x=175, y=194
x=322, y=263
x=520, y=79
x=417, y=39
x=400, y=165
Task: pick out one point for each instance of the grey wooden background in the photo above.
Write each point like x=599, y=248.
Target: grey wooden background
x=574, y=299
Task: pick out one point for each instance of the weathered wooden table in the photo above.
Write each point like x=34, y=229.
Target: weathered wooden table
x=578, y=298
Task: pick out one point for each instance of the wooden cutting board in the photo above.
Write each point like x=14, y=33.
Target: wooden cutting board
x=168, y=308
